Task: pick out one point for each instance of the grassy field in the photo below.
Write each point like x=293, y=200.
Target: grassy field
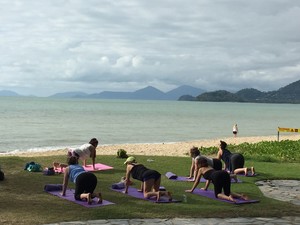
x=23, y=201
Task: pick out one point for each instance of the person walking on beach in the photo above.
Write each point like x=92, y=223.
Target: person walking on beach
x=235, y=130
x=82, y=153
x=85, y=182
x=150, y=179
x=221, y=180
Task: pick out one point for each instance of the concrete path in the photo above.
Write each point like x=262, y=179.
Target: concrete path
x=283, y=190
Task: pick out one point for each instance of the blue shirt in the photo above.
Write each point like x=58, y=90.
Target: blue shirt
x=75, y=171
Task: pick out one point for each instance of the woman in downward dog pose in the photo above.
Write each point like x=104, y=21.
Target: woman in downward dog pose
x=150, y=179
x=220, y=179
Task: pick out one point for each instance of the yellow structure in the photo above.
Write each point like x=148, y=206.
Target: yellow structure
x=282, y=129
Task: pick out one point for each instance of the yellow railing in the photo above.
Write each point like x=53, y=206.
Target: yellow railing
x=282, y=129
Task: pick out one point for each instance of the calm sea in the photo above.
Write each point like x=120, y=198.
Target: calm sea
x=43, y=124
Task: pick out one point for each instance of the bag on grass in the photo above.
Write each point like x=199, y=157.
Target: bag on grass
x=122, y=154
x=33, y=167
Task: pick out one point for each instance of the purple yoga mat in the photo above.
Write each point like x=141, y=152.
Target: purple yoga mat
x=202, y=180
x=211, y=194
x=135, y=193
x=70, y=197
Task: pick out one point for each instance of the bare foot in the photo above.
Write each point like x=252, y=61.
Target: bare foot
x=245, y=197
x=89, y=198
x=170, y=196
x=252, y=171
x=158, y=196
x=100, y=200
x=230, y=198
x=246, y=171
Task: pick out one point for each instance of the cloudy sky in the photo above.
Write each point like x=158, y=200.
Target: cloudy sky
x=50, y=46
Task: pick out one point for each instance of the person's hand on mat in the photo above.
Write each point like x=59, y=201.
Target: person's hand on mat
x=203, y=189
x=63, y=194
x=189, y=191
x=125, y=192
x=139, y=190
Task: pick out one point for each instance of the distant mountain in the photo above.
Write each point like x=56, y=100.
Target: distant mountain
x=147, y=93
x=77, y=94
x=7, y=93
x=184, y=90
x=287, y=94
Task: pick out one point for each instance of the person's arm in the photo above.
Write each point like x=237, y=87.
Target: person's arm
x=206, y=185
x=93, y=156
x=192, y=169
x=219, y=154
x=196, y=168
x=142, y=187
x=196, y=182
x=127, y=178
x=65, y=181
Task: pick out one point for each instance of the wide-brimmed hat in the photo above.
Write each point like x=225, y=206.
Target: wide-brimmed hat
x=130, y=159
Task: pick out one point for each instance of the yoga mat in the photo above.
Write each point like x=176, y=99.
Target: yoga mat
x=202, y=180
x=135, y=193
x=98, y=167
x=70, y=197
x=211, y=194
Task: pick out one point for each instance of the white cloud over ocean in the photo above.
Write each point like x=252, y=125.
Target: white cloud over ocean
x=92, y=46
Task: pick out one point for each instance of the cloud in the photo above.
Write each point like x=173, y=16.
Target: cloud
x=96, y=45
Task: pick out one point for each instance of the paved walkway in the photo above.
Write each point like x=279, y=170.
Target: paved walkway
x=283, y=190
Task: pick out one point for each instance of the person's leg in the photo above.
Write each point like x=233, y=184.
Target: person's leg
x=157, y=181
x=99, y=196
x=252, y=170
x=79, y=187
x=85, y=186
x=225, y=185
x=148, y=189
x=241, y=170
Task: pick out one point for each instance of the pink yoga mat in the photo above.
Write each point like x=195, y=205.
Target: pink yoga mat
x=135, y=193
x=70, y=197
x=98, y=167
x=211, y=194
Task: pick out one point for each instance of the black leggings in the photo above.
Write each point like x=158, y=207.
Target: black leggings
x=221, y=180
x=85, y=183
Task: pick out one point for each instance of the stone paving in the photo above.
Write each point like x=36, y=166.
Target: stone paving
x=283, y=190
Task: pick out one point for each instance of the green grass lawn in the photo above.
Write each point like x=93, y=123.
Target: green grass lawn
x=23, y=201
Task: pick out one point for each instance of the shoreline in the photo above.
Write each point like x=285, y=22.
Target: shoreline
x=161, y=149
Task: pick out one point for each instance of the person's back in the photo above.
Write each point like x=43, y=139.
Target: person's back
x=75, y=171
x=137, y=171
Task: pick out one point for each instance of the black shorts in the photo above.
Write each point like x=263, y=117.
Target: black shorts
x=151, y=174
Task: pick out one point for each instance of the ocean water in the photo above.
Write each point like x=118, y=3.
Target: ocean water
x=44, y=124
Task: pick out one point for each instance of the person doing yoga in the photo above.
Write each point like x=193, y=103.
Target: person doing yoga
x=220, y=179
x=85, y=182
x=150, y=179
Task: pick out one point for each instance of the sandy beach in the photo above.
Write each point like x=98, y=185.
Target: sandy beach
x=165, y=149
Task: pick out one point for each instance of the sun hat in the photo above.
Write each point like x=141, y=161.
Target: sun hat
x=129, y=159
